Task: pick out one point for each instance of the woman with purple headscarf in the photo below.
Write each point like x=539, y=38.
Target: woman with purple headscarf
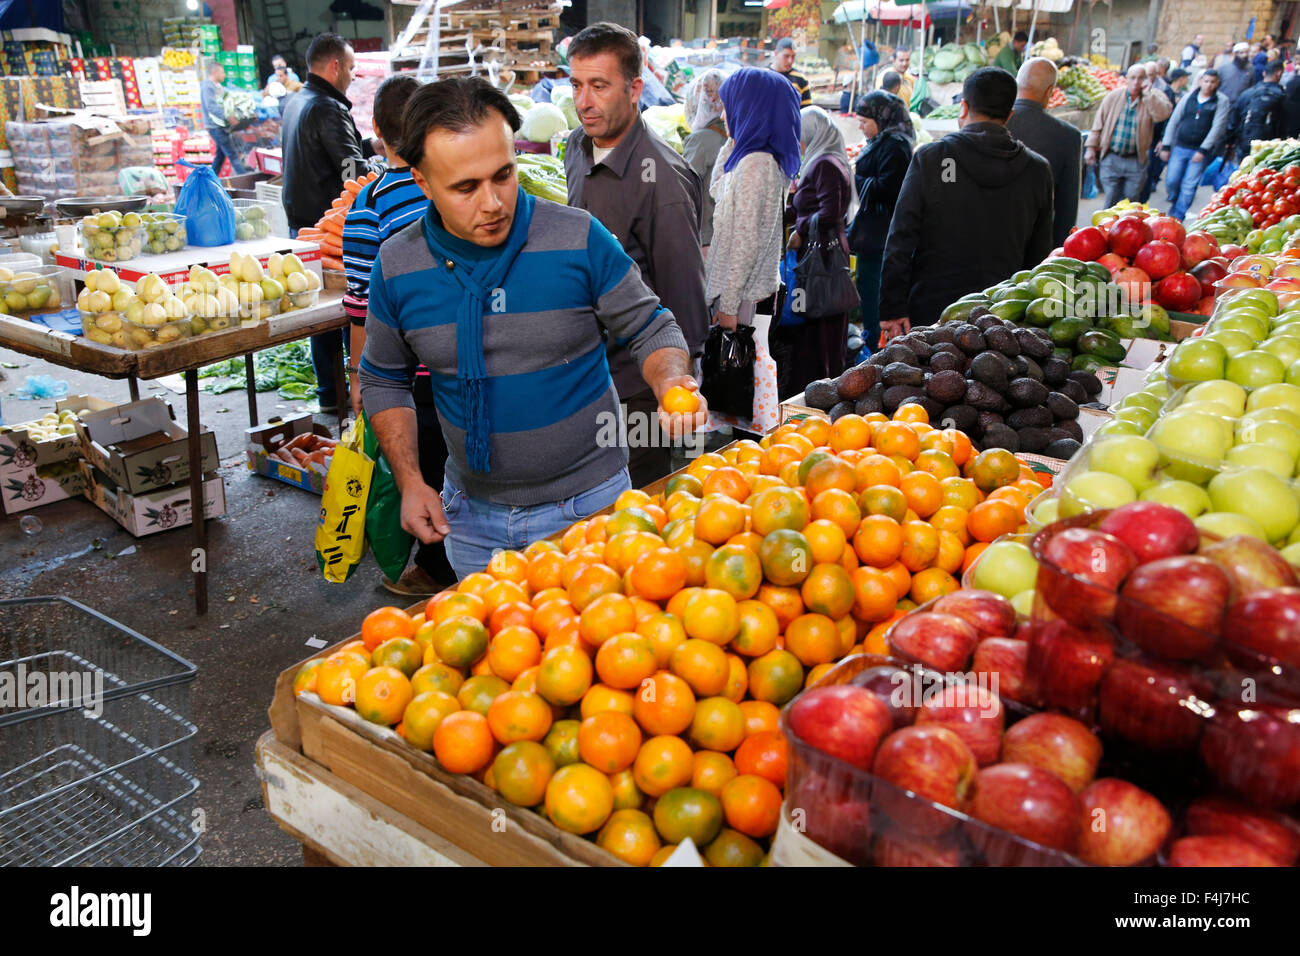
x=751, y=178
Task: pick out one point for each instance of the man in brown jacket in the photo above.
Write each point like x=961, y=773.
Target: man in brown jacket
x=1122, y=134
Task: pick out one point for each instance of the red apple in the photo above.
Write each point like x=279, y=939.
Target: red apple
x=900, y=849
x=1167, y=228
x=895, y=687
x=1283, y=285
x=1178, y=291
x=1152, y=530
x=1216, y=851
x=1087, y=244
x=932, y=762
x=1127, y=235
x=1204, y=307
x=1005, y=660
x=1134, y=282
x=1267, y=622
x=941, y=641
x=1029, y=802
x=843, y=721
x=1057, y=744
x=1121, y=824
x=1114, y=263
x=1158, y=258
x=1251, y=564
x=1066, y=666
x=973, y=713
x=1272, y=833
x=990, y=614
x=1158, y=710
x=834, y=814
x=1197, y=247
x=1232, y=251
x=1254, y=751
x=1174, y=607
x=1207, y=273
x=1096, y=563
x=1240, y=280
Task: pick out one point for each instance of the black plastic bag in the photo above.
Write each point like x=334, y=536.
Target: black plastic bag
x=728, y=371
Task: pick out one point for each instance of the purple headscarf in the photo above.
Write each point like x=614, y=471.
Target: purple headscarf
x=762, y=117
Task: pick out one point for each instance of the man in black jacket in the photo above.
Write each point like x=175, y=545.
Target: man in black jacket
x=1258, y=113
x=1057, y=142
x=976, y=207
x=322, y=148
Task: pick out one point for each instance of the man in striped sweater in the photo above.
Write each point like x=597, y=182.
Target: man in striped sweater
x=503, y=297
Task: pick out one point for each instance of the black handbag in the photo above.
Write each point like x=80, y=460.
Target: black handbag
x=823, y=277
x=727, y=378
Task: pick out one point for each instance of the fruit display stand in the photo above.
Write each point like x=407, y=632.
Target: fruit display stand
x=173, y=267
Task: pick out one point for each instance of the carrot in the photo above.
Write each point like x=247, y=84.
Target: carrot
x=302, y=440
x=282, y=456
x=299, y=454
x=309, y=232
x=352, y=186
x=332, y=249
x=317, y=457
x=332, y=225
x=329, y=262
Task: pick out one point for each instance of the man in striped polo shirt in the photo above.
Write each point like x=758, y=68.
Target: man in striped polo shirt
x=503, y=297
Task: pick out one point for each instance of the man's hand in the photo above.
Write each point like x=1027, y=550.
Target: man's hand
x=1164, y=154
x=893, y=328
x=726, y=320
x=354, y=394
x=676, y=424
x=422, y=514
x=1089, y=156
x=1198, y=157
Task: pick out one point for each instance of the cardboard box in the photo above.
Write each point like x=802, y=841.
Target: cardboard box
x=261, y=440
x=24, y=489
x=20, y=453
x=154, y=511
x=140, y=447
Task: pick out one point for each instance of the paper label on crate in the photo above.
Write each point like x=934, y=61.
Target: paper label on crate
x=1142, y=353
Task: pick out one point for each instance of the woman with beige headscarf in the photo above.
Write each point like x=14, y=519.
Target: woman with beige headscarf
x=707, y=136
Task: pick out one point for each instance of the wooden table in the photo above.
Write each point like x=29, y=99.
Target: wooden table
x=186, y=357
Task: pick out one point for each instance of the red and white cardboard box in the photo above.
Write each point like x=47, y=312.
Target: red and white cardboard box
x=154, y=511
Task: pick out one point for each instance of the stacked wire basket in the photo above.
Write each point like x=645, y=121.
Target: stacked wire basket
x=99, y=775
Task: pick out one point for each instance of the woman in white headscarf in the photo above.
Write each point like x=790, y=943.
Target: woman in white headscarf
x=707, y=136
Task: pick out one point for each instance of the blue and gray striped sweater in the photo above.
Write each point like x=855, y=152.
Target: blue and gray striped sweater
x=548, y=387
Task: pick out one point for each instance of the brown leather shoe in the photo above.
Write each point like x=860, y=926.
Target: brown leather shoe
x=414, y=582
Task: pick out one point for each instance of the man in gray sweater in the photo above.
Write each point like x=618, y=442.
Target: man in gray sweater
x=1195, y=132
x=503, y=298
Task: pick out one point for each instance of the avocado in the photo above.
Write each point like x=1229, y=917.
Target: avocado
x=1157, y=320
x=1071, y=266
x=1102, y=343
x=938, y=334
x=970, y=339
x=1035, y=346
x=932, y=408
x=1097, y=271
x=900, y=373
x=1032, y=369
x=1010, y=292
x=947, y=387
x=987, y=420
x=895, y=395
x=1025, y=392
x=1062, y=406
x=1036, y=417
x=1089, y=300
x=840, y=409
x=917, y=343
x=946, y=361
x=1125, y=326
x=894, y=352
x=1088, y=363
x=1043, y=312
x=821, y=394
x=960, y=310
x=1073, y=390
x=854, y=382
x=1056, y=371
x=1091, y=383
x=1033, y=439
x=873, y=401
x=1010, y=310
x=1062, y=448
x=1052, y=286
x=1003, y=340
x=1071, y=428
x=983, y=397
x=1022, y=276
x=1065, y=332
x=1000, y=436
x=986, y=322
x=963, y=418
x=1065, y=355
x=987, y=369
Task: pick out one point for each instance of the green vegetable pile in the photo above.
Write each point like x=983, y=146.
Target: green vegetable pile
x=543, y=176
x=953, y=62
x=1081, y=88
x=1229, y=225
x=285, y=369
x=1269, y=154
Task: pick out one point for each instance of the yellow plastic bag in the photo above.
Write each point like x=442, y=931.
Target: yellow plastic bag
x=341, y=531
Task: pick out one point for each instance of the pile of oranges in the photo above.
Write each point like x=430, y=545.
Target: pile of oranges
x=626, y=680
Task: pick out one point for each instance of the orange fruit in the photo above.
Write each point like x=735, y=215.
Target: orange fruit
x=336, y=680
x=776, y=508
x=952, y=519
x=684, y=482
x=827, y=590
x=659, y=574
x=760, y=716
x=764, y=754
x=596, y=530
x=813, y=639
x=876, y=469
x=548, y=615
x=463, y=742
x=961, y=445
x=810, y=459
x=567, y=632
x=732, y=848
x=696, y=554
x=521, y=772
x=609, y=741
x=305, y=680
x=630, y=835
x=627, y=796
x=564, y=675
x=775, y=677
x=780, y=456
x=932, y=583
x=758, y=629
x=718, y=724
x=727, y=481
x=848, y=627
x=705, y=463
x=922, y=491
x=545, y=569
x=826, y=540
x=437, y=676
x=475, y=583
x=511, y=613
x=951, y=552
x=688, y=812
x=601, y=698
x=664, y=704
x=625, y=660
x=874, y=594
x=1012, y=495
x=680, y=401
x=735, y=570
x=665, y=632
x=752, y=804
x=795, y=440
x=384, y=623
x=830, y=473
x=992, y=518
x=702, y=665
x=995, y=467
x=901, y=576
x=912, y=413
x=959, y=493
x=632, y=498
x=561, y=742
x=786, y=557
x=629, y=519
x=591, y=583
x=663, y=762
x=401, y=652
x=896, y=438
x=786, y=602
x=518, y=715
x=606, y=616
x=710, y=771
x=937, y=463
x=920, y=545
x=849, y=431
x=749, y=540
x=512, y=651
x=972, y=555
x=478, y=692
x=710, y=615
x=676, y=605
x=460, y=641
x=508, y=566
x=878, y=541
x=737, y=679
x=718, y=519
x=816, y=429
x=884, y=500
x=579, y=798
x=423, y=715
x=461, y=604
x=874, y=642
x=839, y=506
x=382, y=695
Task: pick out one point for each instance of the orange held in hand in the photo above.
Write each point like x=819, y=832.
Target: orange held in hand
x=681, y=401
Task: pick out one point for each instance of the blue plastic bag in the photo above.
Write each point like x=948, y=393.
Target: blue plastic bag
x=1217, y=173
x=789, y=316
x=1089, y=182
x=210, y=215
x=870, y=56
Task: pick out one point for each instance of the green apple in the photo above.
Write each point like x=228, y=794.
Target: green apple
x=1192, y=500
x=1283, y=415
x=1258, y=494
x=1159, y=388
x=1197, y=360
x=1253, y=324
x=1129, y=456
x=1144, y=418
x=1259, y=298
x=1284, y=438
x=1225, y=524
x=1285, y=347
x=1192, y=444
x=1118, y=426
x=1007, y=568
x=1233, y=341
x=1094, y=491
x=1281, y=395
x=1210, y=408
x=1024, y=603
x=1226, y=393
x=1141, y=399
x=1291, y=553
x=1047, y=512
x=1255, y=369
x=1293, y=373
x=1257, y=455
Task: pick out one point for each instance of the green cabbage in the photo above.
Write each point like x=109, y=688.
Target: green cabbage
x=542, y=122
x=975, y=55
x=941, y=76
x=670, y=123
x=563, y=98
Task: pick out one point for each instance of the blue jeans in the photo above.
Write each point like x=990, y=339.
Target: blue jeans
x=480, y=528
x=869, y=269
x=226, y=149
x=1182, y=180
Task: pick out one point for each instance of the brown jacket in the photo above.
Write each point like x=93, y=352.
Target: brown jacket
x=1153, y=107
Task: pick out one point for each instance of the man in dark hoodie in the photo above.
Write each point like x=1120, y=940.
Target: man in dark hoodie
x=975, y=207
x=1258, y=113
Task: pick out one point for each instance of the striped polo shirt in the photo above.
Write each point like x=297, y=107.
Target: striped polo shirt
x=548, y=390
x=381, y=208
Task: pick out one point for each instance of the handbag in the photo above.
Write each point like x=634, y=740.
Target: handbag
x=390, y=542
x=728, y=370
x=823, y=277
x=341, y=529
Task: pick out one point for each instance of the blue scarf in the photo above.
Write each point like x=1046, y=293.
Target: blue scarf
x=762, y=117
x=479, y=279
